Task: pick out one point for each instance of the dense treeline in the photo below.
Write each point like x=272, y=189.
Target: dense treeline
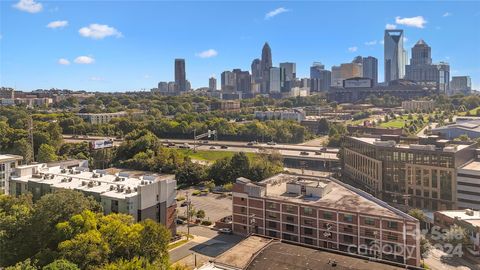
x=66, y=230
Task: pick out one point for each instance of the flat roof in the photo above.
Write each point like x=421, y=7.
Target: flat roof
x=371, y=141
x=119, y=185
x=8, y=157
x=461, y=214
x=240, y=255
x=279, y=255
x=340, y=197
x=474, y=166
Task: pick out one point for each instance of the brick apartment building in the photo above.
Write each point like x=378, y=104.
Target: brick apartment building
x=325, y=213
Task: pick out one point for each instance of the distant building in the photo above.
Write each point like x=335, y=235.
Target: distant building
x=8, y=163
x=228, y=81
x=243, y=81
x=325, y=213
x=147, y=197
x=359, y=89
x=104, y=118
x=345, y=71
x=163, y=86
x=370, y=68
x=256, y=69
x=418, y=105
x=7, y=93
x=212, y=84
x=422, y=71
x=409, y=172
x=274, y=83
x=461, y=84
x=467, y=219
x=288, y=73
x=226, y=105
x=295, y=115
x=394, y=54
x=180, y=76
x=320, y=78
x=266, y=64
x=469, y=128
x=468, y=186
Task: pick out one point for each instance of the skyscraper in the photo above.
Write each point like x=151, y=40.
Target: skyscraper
x=266, y=64
x=228, y=81
x=243, y=81
x=212, y=84
x=180, y=75
x=394, y=55
x=370, y=68
x=288, y=74
x=345, y=71
x=256, y=71
x=320, y=78
x=461, y=84
x=274, y=77
x=421, y=69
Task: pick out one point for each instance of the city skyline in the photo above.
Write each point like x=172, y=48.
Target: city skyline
x=113, y=55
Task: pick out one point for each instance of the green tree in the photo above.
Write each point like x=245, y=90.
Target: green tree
x=200, y=214
x=23, y=148
x=137, y=263
x=46, y=153
x=61, y=265
x=85, y=249
x=23, y=265
x=154, y=239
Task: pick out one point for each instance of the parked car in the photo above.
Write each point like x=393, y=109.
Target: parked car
x=224, y=147
x=323, y=149
x=212, y=147
x=271, y=143
x=205, y=141
x=303, y=153
x=225, y=230
x=250, y=143
x=179, y=221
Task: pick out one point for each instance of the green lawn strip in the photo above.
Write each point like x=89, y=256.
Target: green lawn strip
x=211, y=155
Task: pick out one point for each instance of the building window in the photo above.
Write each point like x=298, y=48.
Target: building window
x=369, y=221
x=242, y=199
x=272, y=215
x=392, y=224
x=309, y=222
x=369, y=233
x=289, y=227
x=289, y=208
x=271, y=205
x=243, y=209
x=348, y=239
x=328, y=215
x=272, y=224
x=307, y=211
x=290, y=218
x=392, y=237
x=272, y=233
x=308, y=231
x=348, y=218
x=308, y=241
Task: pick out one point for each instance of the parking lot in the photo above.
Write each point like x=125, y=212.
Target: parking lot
x=216, y=206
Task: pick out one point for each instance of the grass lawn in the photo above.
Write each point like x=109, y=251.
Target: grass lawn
x=393, y=124
x=210, y=155
x=473, y=112
x=178, y=243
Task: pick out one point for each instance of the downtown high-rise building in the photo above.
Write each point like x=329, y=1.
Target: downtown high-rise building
x=288, y=74
x=275, y=80
x=228, y=81
x=212, y=84
x=180, y=76
x=461, y=84
x=320, y=78
x=345, y=71
x=256, y=69
x=243, y=81
x=369, y=67
x=266, y=64
x=395, y=56
x=422, y=71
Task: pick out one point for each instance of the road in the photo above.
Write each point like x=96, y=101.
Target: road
x=286, y=150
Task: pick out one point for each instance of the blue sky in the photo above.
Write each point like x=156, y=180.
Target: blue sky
x=131, y=45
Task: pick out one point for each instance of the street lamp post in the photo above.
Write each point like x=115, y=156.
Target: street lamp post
x=188, y=215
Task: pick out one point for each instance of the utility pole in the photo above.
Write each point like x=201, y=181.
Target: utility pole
x=188, y=215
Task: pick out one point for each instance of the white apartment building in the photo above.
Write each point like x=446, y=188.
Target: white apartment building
x=295, y=114
x=145, y=197
x=7, y=165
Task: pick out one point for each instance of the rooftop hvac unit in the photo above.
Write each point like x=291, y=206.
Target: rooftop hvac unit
x=112, y=187
x=469, y=212
x=84, y=183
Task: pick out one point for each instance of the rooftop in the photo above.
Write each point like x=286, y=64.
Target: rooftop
x=119, y=185
x=474, y=166
x=449, y=147
x=467, y=215
x=257, y=252
x=334, y=195
x=9, y=158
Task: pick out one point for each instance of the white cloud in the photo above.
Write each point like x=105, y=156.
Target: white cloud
x=96, y=79
x=146, y=76
x=447, y=14
x=28, y=6
x=207, y=54
x=417, y=21
x=63, y=61
x=371, y=43
x=84, y=60
x=57, y=24
x=353, y=49
x=382, y=42
x=99, y=31
x=275, y=12
x=390, y=26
